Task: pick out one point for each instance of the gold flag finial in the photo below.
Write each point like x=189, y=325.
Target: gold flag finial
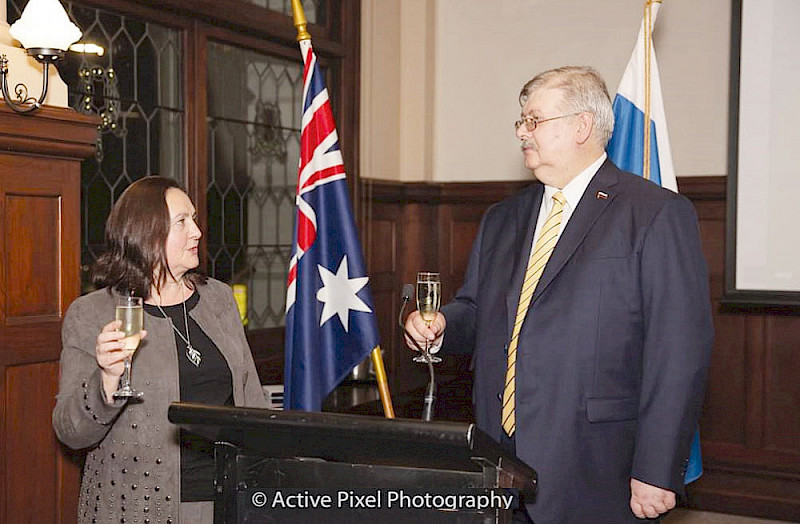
x=299, y=18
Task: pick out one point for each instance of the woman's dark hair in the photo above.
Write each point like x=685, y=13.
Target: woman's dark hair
x=136, y=238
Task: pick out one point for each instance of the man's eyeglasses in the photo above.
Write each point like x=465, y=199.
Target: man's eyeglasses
x=531, y=122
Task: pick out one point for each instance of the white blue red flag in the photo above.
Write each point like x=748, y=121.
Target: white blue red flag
x=626, y=147
x=330, y=321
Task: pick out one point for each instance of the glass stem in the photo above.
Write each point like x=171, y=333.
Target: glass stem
x=427, y=344
x=126, y=374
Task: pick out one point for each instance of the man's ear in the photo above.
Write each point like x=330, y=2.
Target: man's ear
x=585, y=127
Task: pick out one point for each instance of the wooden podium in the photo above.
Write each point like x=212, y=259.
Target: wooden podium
x=40, y=168
x=277, y=466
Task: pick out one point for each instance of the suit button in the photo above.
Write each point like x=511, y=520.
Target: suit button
x=499, y=397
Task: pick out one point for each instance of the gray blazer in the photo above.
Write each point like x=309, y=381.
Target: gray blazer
x=132, y=465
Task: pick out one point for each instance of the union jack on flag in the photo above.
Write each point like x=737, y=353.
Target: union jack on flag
x=330, y=321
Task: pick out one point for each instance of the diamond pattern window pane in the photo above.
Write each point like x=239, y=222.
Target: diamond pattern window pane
x=253, y=152
x=314, y=9
x=135, y=88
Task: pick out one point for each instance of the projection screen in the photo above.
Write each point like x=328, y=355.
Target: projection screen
x=762, y=265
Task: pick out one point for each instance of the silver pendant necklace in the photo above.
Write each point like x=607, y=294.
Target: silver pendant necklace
x=194, y=356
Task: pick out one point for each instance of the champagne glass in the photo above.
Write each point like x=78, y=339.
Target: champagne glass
x=429, y=296
x=131, y=312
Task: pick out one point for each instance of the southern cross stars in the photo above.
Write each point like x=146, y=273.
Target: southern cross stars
x=338, y=294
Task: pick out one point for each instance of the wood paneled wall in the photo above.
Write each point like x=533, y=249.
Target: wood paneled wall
x=419, y=227
x=751, y=422
x=39, y=277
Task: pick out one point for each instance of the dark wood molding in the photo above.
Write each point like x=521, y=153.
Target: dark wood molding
x=235, y=15
x=438, y=193
x=755, y=398
x=703, y=187
x=346, y=73
x=763, y=493
x=694, y=188
x=246, y=17
x=51, y=131
x=246, y=20
x=256, y=43
x=195, y=128
x=143, y=10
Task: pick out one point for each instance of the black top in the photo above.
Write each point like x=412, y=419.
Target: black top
x=209, y=383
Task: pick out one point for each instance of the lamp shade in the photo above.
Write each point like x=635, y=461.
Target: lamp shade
x=45, y=24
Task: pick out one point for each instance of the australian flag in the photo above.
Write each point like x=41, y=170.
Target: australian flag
x=626, y=148
x=330, y=320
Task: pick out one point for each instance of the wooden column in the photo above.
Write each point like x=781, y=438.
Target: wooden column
x=40, y=158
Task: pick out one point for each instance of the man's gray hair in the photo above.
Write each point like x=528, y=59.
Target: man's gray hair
x=584, y=90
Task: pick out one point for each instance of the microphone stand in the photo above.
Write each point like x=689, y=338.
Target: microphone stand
x=430, y=391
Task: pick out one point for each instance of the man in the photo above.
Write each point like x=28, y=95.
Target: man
x=586, y=309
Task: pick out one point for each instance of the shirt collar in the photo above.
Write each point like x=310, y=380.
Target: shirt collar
x=574, y=190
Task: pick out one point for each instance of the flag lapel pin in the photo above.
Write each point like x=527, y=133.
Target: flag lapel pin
x=601, y=195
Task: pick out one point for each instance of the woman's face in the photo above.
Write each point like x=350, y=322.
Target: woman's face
x=184, y=235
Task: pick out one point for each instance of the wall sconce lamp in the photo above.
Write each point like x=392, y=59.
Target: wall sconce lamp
x=46, y=32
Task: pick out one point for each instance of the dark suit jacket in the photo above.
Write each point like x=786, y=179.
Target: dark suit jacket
x=614, y=351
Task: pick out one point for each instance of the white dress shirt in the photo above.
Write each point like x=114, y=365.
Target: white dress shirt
x=572, y=192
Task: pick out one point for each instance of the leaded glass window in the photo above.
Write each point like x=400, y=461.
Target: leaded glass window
x=314, y=9
x=135, y=87
x=253, y=153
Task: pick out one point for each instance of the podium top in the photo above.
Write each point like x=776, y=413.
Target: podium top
x=349, y=438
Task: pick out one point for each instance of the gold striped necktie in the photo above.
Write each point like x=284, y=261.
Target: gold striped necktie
x=548, y=236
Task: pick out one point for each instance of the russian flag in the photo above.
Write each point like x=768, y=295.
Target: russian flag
x=626, y=147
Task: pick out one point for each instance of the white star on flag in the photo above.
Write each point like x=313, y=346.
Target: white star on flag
x=338, y=293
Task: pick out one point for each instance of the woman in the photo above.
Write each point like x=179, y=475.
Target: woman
x=139, y=467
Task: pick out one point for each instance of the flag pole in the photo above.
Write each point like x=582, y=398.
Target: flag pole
x=300, y=22
x=383, y=383
x=299, y=19
x=648, y=44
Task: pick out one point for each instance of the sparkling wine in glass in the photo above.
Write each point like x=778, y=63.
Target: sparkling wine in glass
x=131, y=312
x=429, y=297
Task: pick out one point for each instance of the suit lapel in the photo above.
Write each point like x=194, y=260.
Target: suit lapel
x=523, y=227
x=211, y=324
x=589, y=209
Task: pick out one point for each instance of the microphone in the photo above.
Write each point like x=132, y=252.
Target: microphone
x=430, y=392
x=430, y=395
x=407, y=294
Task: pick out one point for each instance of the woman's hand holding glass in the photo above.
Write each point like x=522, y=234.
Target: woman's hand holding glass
x=111, y=354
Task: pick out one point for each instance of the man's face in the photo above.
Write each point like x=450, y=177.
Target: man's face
x=549, y=149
